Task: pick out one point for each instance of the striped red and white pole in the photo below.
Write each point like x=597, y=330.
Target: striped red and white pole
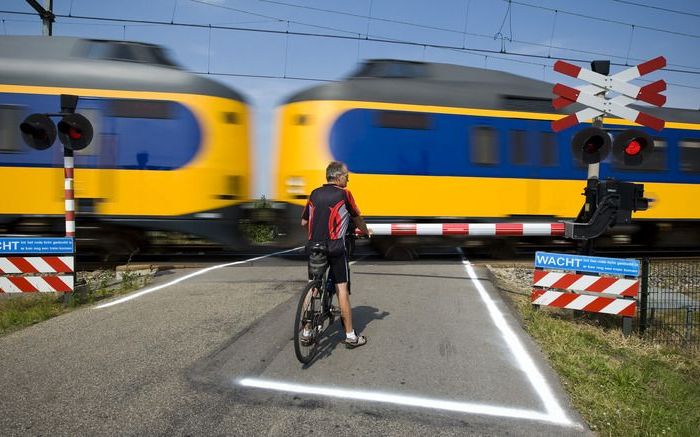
x=469, y=229
x=68, y=166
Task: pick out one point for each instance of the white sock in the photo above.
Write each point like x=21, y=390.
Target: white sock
x=351, y=335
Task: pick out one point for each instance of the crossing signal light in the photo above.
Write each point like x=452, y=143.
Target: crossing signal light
x=632, y=146
x=591, y=145
x=38, y=131
x=75, y=131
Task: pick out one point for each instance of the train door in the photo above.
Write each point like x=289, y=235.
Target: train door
x=521, y=159
x=547, y=172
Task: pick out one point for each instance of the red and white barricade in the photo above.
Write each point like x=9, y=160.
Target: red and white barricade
x=31, y=274
x=585, y=292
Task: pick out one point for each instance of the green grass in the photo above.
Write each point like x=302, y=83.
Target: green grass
x=17, y=312
x=622, y=386
x=259, y=233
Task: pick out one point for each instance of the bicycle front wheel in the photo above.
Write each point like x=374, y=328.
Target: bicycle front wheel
x=307, y=313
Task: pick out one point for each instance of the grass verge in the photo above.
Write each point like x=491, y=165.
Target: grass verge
x=17, y=312
x=622, y=386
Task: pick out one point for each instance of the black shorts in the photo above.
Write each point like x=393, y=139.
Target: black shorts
x=340, y=268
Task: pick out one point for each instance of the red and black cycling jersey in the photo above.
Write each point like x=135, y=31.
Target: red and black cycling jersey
x=328, y=211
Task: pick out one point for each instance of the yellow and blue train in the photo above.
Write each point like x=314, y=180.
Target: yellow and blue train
x=171, y=149
x=429, y=142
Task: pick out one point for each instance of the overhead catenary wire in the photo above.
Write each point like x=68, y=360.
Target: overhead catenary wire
x=355, y=36
x=606, y=20
x=506, y=55
x=658, y=8
x=367, y=37
x=442, y=29
x=451, y=30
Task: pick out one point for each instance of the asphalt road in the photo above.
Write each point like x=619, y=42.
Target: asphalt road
x=212, y=355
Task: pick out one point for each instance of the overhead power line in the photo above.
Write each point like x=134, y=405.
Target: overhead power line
x=658, y=8
x=428, y=27
x=606, y=20
x=355, y=36
x=376, y=39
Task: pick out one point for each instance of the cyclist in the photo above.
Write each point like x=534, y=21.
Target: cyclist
x=327, y=214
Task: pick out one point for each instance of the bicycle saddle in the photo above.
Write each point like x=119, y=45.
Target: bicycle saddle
x=318, y=248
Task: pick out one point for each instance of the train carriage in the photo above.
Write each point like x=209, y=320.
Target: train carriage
x=171, y=149
x=428, y=142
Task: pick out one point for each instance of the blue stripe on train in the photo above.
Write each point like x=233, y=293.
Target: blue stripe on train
x=120, y=142
x=441, y=148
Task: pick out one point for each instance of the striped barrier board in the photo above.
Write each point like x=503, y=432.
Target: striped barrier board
x=469, y=229
x=31, y=274
x=590, y=283
x=36, y=264
x=583, y=302
x=585, y=292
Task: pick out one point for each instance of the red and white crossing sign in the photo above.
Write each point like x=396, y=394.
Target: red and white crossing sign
x=593, y=95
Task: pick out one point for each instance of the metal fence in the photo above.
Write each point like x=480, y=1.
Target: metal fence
x=669, y=302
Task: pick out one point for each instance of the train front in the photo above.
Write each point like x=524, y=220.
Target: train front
x=170, y=152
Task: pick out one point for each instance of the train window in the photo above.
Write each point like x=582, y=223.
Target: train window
x=690, y=155
x=529, y=104
x=10, y=119
x=131, y=108
x=548, y=155
x=403, y=120
x=123, y=51
x=391, y=69
x=518, y=147
x=484, y=146
x=656, y=161
x=301, y=120
x=231, y=118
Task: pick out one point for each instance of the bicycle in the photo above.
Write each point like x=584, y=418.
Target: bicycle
x=315, y=306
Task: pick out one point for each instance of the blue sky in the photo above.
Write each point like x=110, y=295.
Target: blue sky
x=269, y=49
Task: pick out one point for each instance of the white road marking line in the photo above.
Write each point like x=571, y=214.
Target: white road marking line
x=191, y=275
x=527, y=364
x=554, y=413
x=412, y=401
x=353, y=262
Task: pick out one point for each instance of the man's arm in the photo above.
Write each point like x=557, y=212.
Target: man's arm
x=360, y=224
x=304, y=222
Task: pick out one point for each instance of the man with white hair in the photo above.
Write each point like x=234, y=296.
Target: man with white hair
x=327, y=214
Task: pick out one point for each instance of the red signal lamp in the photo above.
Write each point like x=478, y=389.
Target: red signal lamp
x=632, y=146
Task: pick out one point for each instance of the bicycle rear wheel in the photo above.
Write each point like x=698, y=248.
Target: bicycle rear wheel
x=308, y=311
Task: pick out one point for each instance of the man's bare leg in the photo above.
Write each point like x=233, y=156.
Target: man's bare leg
x=344, y=303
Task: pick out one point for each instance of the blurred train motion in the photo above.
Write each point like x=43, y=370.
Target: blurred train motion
x=428, y=142
x=171, y=150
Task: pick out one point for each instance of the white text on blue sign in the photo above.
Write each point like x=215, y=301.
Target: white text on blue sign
x=36, y=245
x=593, y=264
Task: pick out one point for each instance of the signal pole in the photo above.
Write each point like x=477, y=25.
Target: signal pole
x=601, y=67
x=46, y=14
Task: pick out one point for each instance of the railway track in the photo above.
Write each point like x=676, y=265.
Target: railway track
x=177, y=256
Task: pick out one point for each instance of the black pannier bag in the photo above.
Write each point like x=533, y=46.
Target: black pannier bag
x=318, y=258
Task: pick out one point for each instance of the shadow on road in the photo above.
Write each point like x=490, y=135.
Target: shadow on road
x=334, y=335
